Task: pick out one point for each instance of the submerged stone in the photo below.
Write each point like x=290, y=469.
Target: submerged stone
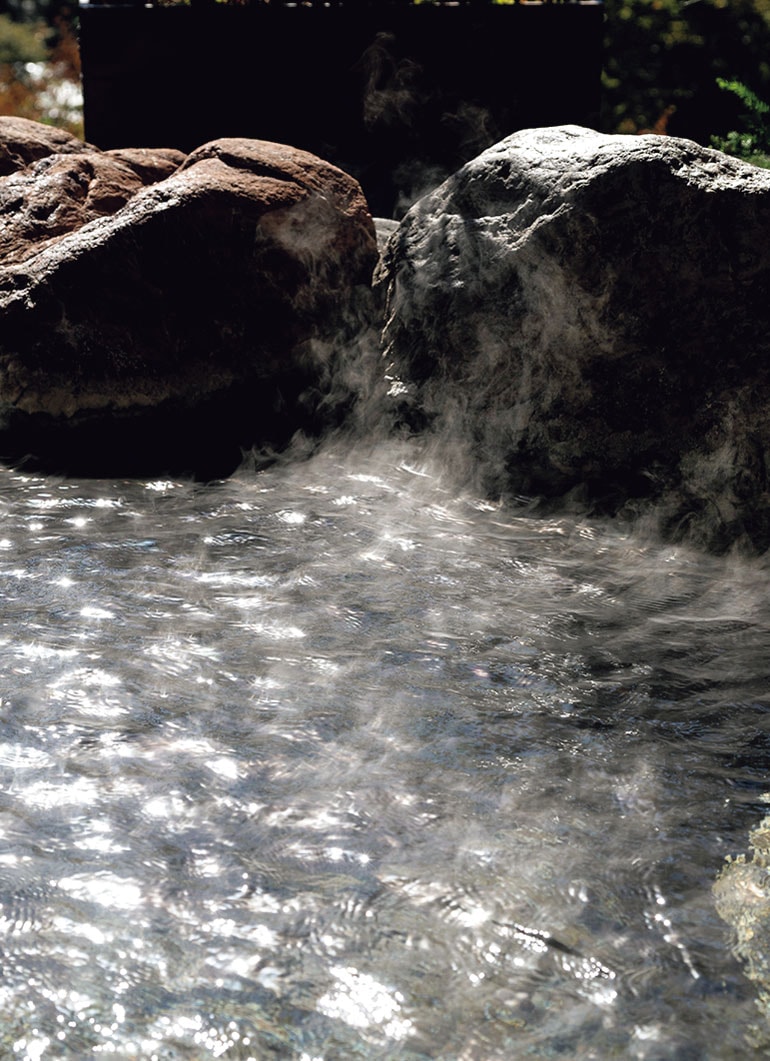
x=591, y=313
x=742, y=900
x=151, y=321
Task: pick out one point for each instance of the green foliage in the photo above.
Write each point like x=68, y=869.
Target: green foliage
x=644, y=46
x=753, y=142
x=662, y=57
x=21, y=42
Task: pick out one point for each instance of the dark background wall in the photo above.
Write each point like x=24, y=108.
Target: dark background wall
x=397, y=94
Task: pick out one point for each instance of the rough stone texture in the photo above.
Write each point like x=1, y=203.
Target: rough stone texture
x=23, y=141
x=55, y=196
x=593, y=312
x=169, y=325
x=150, y=164
x=742, y=899
x=52, y=184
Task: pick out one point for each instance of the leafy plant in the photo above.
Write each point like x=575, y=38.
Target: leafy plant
x=661, y=58
x=752, y=143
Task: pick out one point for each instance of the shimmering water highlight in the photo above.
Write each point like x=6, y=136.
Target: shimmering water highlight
x=338, y=760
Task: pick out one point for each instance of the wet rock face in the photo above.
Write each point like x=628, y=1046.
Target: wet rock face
x=163, y=311
x=594, y=311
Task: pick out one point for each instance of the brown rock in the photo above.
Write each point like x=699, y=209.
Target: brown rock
x=150, y=164
x=57, y=195
x=23, y=141
x=54, y=183
x=203, y=311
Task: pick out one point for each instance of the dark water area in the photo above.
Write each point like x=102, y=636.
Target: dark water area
x=337, y=759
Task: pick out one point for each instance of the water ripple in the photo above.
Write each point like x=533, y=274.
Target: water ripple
x=334, y=760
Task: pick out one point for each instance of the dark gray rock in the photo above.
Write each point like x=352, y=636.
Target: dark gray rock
x=591, y=312
x=172, y=324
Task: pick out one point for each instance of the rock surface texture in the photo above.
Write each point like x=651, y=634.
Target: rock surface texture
x=162, y=311
x=593, y=311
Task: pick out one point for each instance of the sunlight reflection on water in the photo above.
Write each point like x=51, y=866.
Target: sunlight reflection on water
x=336, y=761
